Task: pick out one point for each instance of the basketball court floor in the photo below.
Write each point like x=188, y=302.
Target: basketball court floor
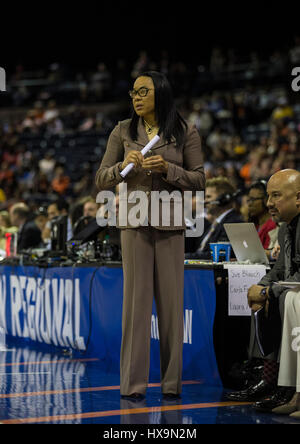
x=41, y=387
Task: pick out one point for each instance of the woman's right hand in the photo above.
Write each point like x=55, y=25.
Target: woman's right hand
x=134, y=157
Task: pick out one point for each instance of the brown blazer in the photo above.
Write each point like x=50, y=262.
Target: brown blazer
x=185, y=172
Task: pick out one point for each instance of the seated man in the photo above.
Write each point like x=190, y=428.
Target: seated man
x=197, y=206
x=90, y=208
x=284, y=206
x=83, y=212
x=219, y=205
x=57, y=208
x=29, y=235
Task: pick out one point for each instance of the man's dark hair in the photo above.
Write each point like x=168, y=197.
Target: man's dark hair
x=61, y=204
x=169, y=121
x=259, y=185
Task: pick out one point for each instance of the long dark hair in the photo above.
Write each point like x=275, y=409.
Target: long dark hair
x=169, y=120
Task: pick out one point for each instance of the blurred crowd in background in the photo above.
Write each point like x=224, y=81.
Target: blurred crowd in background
x=55, y=121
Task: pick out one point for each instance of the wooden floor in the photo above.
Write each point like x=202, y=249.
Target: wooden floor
x=38, y=387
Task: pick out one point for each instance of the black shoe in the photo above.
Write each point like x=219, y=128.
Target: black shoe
x=171, y=396
x=252, y=394
x=133, y=397
x=245, y=374
x=282, y=396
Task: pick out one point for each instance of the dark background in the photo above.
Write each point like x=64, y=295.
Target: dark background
x=81, y=34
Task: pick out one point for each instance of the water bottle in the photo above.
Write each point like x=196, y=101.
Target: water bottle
x=107, y=251
x=11, y=244
x=2, y=339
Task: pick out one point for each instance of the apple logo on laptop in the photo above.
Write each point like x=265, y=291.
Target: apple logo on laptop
x=245, y=244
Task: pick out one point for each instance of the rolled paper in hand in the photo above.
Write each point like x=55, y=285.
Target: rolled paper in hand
x=144, y=151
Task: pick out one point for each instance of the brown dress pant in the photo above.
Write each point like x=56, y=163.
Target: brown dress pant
x=153, y=265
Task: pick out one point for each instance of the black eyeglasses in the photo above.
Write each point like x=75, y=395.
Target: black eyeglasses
x=253, y=199
x=142, y=92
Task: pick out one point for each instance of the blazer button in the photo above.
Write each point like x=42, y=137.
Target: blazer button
x=149, y=173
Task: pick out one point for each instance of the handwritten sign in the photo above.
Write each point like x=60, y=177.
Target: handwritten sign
x=240, y=278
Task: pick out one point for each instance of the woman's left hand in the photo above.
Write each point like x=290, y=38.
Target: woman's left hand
x=156, y=164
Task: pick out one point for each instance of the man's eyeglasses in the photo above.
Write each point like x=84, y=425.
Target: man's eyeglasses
x=142, y=92
x=253, y=199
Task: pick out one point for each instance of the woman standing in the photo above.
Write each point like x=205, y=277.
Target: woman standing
x=153, y=256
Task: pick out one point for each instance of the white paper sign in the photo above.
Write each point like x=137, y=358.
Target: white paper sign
x=240, y=278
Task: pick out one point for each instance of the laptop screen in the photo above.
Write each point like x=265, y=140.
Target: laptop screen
x=246, y=243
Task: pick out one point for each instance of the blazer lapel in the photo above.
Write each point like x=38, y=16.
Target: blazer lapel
x=142, y=138
x=162, y=142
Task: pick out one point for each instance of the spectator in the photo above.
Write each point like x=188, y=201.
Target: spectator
x=51, y=112
x=41, y=184
x=29, y=235
x=283, y=111
x=60, y=182
x=41, y=218
x=47, y=164
x=58, y=208
x=248, y=170
x=83, y=213
x=54, y=126
x=90, y=208
x=216, y=138
x=201, y=118
x=258, y=213
x=219, y=204
x=191, y=242
x=29, y=124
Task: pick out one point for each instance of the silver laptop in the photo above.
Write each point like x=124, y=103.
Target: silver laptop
x=246, y=243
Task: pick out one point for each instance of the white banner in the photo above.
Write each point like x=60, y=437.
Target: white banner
x=240, y=279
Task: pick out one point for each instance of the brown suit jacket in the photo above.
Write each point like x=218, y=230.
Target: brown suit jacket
x=185, y=172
